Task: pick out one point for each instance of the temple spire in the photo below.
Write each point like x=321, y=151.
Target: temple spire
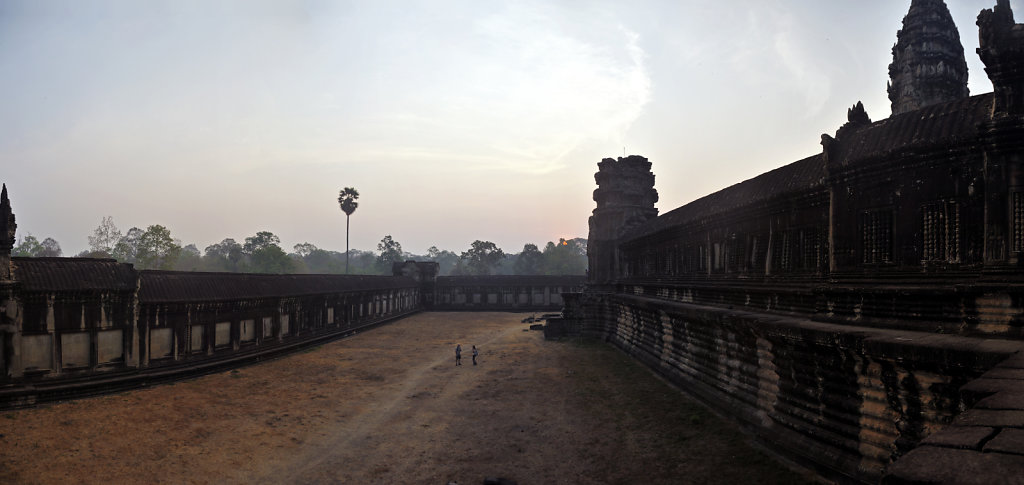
x=7, y=228
x=7, y=225
x=928, y=65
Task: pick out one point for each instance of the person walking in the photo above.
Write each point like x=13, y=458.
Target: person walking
x=458, y=354
x=475, y=353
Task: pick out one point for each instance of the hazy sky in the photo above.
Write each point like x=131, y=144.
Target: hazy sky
x=456, y=120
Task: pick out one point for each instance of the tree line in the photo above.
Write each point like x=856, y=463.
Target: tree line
x=155, y=248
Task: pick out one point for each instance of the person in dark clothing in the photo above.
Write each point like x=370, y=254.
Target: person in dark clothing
x=458, y=354
x=475, y=353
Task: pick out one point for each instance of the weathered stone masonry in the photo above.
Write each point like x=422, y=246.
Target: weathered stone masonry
x=844, y=306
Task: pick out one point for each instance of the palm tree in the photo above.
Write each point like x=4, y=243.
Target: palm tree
x=347, y=200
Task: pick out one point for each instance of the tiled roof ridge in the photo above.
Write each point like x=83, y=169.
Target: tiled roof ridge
x=942, y=123
x=938, y=124
x=793, y=177
x=65, y=258
x=229, y=273
x=73, y=274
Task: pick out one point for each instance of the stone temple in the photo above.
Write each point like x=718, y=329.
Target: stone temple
x=860, y=311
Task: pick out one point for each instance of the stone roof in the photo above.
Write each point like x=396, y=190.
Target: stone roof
x=937, y=125
x=72, y=274
x=185, y=286
x=512, y=280
x=800, y=176
x=941, y=125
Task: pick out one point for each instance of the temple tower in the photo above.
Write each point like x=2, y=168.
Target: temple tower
x=1001, y=42
x=1001, y=48
x=928, y=65
x=7, y=227
x=10, y=331
x=625, y=198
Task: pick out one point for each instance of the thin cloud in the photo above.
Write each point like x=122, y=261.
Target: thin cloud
x=531, y=92
x=803, y=73
x=781, y=63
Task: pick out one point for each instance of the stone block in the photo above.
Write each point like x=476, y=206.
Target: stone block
x=222, y=334
x=160, y=343
x=962, y=437
x=1004, y=373
x=247, y=330
x=74, y=349
x=980, y=388
x=1016, y=361
x=931, y=464
x=1003, y=400
x=1008, y=352
x=110, y=346
x=1007, y=441
x=991, y=417
x=196, y=342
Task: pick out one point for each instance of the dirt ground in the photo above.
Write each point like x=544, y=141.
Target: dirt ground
x=390, y=406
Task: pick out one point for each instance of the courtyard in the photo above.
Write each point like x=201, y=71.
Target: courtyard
x=390, y=406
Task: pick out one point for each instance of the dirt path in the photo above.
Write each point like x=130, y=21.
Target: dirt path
x=389, y=406
x=429, y=380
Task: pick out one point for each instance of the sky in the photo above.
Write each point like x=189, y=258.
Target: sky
x=456, y=120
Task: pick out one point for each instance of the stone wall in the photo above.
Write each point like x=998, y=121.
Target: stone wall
x=80, y=326
x=194, y=316
x=983, y=444
x=843, y=402
x=503, y=292
x=67, y=317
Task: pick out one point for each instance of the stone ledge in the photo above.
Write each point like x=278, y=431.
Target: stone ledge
x=1006, y=373
x=1007, y=441
x=952, y=455
x=1012, y=418
x=984, y=387
x=934, y=465
x=1006, y=400
x=960, y=437
x=1014, y=362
